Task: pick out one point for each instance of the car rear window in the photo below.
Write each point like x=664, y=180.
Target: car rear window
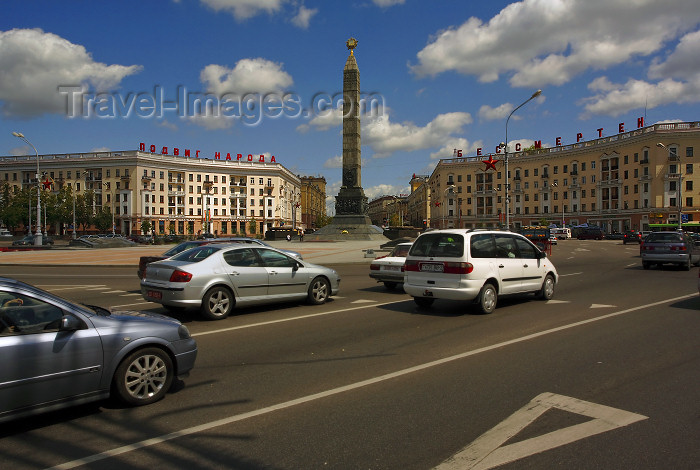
x=665, y=237
x=196, y=254
x=439, y=245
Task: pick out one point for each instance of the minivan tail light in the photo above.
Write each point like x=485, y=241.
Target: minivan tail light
x=458, y=268
x=374, y=267
x=180, y=276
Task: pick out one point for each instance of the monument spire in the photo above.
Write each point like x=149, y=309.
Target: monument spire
x=351, y=219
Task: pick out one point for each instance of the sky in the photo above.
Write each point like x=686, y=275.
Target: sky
x=439, y=75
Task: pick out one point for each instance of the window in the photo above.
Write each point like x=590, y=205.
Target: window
x=689, y=151
x=22, y=314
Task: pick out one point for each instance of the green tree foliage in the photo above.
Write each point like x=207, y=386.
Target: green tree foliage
x=103, y=220
x=146, y=227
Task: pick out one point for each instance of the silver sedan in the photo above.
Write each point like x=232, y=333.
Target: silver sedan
x=214, y=278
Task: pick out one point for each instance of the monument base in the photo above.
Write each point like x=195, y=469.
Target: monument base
x=348, y=227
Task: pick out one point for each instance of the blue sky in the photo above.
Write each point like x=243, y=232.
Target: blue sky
x=444, y=74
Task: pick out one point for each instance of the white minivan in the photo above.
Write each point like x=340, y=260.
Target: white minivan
x=476, y=265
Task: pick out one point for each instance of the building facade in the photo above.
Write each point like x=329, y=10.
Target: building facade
x=313, y=201
x=625, y=181
x=176, y=194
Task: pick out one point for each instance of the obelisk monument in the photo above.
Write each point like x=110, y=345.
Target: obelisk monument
x=351, y=221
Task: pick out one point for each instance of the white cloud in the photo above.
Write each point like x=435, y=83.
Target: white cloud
x=385, y=137
x=244, y=9
x=164, y=123
x=33, y=64
x=448, y=150
x=335, y=162
x=487, y=113
x=101, y=149
x=248, y=76
x=303, y=17
x=551, y=41
x=388, y=3
x=374, y=192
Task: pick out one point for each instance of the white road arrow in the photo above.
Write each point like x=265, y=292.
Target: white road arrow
x=486, y=452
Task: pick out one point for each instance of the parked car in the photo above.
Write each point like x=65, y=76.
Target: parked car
x=389, y=269
x=5, y=233
x=218, y=276
x=632, y=236
x=553, y=240
x=29, y=241
x=58, y=353
x=180, y=247
x=670, y=247
x=476, y=266
x=615, y=236
x=591, y=234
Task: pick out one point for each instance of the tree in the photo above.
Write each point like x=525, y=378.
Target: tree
x=323, y=220
x=84, y=214
x=103, y=220
x=146, y=227
x=252, y=225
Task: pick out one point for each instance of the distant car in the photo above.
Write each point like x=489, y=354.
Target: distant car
x=88, y=236
x=553, y=240
x=216, y=277
x=632, y=236
x=615, y=236
x=389, y=269
x=591, y=234
x=670, y=247
x=5, y=233
x=29, y=241
x=59, y=353
x=179, y=248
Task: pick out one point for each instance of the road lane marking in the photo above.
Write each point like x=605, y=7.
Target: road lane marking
x=300, y=317
x=362, y=301
x=335, y=391
x=131, y=305
x=602, y=306
x=486, y=452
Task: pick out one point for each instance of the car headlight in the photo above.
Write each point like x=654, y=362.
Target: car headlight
x=183, y=332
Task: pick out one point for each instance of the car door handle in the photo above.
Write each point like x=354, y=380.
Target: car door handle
x=272, y=273
x=524, y=265
x=235, y=273
x=501, y=266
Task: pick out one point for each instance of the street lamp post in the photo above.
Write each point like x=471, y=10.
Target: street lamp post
x=680, y=180
x=505, y=147
x=111, y=204
x=73, y=191
x=37, y=235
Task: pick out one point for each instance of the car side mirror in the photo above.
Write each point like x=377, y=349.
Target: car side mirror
x=69, y=323
x=295, y=267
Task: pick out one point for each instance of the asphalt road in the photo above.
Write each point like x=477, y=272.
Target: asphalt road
x=603, y=376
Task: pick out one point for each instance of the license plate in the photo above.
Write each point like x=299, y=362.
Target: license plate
x=154, y=294
x=392, y=268
x=433, y=268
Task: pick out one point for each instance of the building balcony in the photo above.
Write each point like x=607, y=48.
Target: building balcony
x=644, y=161
x=176, y=193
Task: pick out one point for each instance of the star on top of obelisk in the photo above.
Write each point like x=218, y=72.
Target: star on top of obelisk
x=351, y=44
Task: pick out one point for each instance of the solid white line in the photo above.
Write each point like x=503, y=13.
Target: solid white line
x=346, y=388
x=131, y=305
x=570, y=274
x=300, y=317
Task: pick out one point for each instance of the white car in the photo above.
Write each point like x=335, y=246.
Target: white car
x=476, y=265
x=389, y=269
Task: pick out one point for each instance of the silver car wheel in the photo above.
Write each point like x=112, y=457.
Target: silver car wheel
x=487, y=298
x=547, y=291
x=319, y=290
x=144, y=377
x=217, y=303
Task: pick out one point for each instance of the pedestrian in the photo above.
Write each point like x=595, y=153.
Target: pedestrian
x=289, y=238
x=301, y=234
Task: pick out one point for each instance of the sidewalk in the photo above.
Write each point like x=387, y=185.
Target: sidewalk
x=61, y=255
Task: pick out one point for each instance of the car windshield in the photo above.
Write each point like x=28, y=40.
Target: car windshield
x=196, y=254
